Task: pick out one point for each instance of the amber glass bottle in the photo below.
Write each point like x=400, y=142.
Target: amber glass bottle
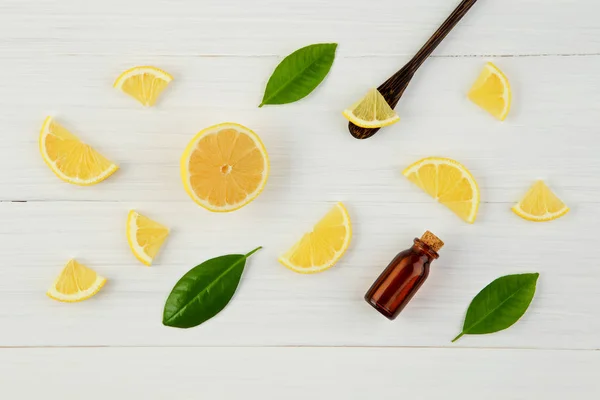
x=394, y=288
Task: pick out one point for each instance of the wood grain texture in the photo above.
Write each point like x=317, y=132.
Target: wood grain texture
x=275, y=306
x=60, y=58
x=232, y=27
x=299, y=373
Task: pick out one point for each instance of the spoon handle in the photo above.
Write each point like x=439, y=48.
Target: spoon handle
x=393, y=89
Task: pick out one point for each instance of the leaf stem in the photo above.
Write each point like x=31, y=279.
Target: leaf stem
x=458, y=337
x=260, y=105
x=253, y=251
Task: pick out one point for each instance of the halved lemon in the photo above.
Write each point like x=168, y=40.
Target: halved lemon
x=491, y=91
x=70, y=159
x=145, y=84
x=145, y=237
x=372, y=111
x=540, y=204
x=75, y=283
x=321, y=248
x=449, y=182
x=224, y=167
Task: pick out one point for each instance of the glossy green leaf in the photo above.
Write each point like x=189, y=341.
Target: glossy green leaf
x=204, y=291
x=299, y=74
x=499, y=305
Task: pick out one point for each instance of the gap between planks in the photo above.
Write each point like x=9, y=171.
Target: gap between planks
x=375, y=55
x=299, y=347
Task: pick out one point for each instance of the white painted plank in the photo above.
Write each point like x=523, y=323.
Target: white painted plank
x=60, y=58
x=552, y=131
x=275, y=306
x=193, y=27
x=297, y=373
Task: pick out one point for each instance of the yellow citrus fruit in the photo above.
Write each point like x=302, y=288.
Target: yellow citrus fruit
x=145, y=237
x=224, y=167
x=540, y=204
x=492, y=92
x=321, y=248
x=372, y=111
x=145, y=84
x=75, y=283
x=70, y=159
x=448, y=182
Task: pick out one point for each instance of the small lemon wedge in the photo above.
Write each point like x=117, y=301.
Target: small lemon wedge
x=540, y=204
x=145, y=237
x=76, y=283
x=323, y=247
x=491, y=91
x=449, y=182
x=372, y=111
x=145, y=84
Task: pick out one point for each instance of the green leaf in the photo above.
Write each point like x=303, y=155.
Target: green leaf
x=204, y=291
x=499, y=305
x=299, y=74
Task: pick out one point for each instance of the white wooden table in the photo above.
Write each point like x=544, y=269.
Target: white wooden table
x=287, y=336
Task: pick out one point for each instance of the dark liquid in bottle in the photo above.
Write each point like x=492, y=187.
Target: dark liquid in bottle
x=400, y=281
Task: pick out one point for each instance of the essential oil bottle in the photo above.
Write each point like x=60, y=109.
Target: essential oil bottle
x=403, y=277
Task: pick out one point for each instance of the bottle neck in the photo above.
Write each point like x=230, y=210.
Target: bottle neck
x=421, y=247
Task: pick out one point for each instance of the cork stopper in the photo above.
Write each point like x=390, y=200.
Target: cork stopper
x=432, y=241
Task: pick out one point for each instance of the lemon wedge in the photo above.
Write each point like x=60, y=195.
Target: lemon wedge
x=449, y=182
x=323, y=247
x=540, y=204
x=145, y=84
x=492, y=92
x=145, y=237
x=372, y=111
x=70, y=159
x=76, y=283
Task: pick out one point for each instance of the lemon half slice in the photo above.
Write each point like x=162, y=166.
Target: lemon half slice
x=321, y=248
x=145, y=84
x=540, y=204
x=224, y=167
x=449, y=182
x=492, y=92
x=75, y=283
x=145, y=237
x=70, y=159
x=372, y=111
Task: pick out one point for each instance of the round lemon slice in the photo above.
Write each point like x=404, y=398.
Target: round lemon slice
x=145, y=84
x=70, y=159
x=540, y=204
x=323, y=247
x=372, y=111
x=224, y=167
x=449, y=182
x=76, y=283
x=145, y=237
x=491, y=91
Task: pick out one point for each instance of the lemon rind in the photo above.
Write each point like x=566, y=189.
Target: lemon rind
x=366, y=124
x=141, y=70
x=541, y=218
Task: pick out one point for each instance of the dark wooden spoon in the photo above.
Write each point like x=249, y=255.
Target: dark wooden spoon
x=394, y=87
